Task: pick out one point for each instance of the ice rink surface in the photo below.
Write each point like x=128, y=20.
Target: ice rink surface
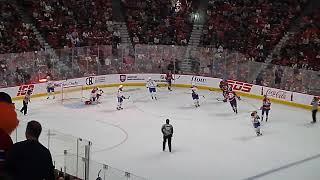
x=209, y=143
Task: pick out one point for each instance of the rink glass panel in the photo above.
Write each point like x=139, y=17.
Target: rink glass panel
x=30, y=67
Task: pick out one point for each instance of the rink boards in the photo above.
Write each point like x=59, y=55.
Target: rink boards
x=185, y=81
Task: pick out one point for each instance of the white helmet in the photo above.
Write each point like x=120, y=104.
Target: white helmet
x=149, y=78
x=121, y=86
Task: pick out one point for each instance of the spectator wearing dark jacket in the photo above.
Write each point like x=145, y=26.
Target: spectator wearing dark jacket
x=29, y=159
x=8, y=123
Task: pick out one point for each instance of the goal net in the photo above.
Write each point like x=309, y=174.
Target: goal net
x=72, y=93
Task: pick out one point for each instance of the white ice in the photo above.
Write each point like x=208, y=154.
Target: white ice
x=209, y=142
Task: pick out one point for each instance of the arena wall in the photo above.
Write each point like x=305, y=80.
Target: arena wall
x=243, y=89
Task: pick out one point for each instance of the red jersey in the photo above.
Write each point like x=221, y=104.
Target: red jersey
x=223, y=84
x=231, y=96
x=169, y=76
x=266, y=103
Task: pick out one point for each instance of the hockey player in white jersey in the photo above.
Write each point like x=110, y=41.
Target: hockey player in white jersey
x=195, y=95
x=120, y=97
x=256, y=123
x=152, y=86
x=99, y=94
x=50, y=88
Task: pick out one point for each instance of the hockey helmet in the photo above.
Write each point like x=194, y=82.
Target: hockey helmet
x=121, y=86
x=149, y=78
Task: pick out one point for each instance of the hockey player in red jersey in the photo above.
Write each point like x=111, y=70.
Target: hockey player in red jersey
x=169, y=79
x=224, y=88
x=266, y=104
x=223, y=83
x=94, y=96
x=233, y=101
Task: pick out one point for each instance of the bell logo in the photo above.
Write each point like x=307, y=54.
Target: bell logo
x=24, y=89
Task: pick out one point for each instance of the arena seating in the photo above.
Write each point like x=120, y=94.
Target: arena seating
x=72, y=23
x=158, y=21
x=248, y=26
x=302, y=50
x=15, y=36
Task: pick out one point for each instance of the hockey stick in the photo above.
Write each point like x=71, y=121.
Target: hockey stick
x=198, y=94
x=177, y=77
x=220, y=99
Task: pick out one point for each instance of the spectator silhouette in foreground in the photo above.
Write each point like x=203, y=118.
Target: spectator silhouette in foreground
x=8, y=124
x=29, y=159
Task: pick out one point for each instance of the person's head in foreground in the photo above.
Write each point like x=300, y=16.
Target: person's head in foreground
x=33, y=130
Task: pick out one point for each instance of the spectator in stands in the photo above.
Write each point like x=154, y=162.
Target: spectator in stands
x=259, y=79
x=8, y=123
x=278, y=76
x=29, y=159
x=171, y=67
x=177, y=66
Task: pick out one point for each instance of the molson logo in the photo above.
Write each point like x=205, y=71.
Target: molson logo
x=198, y=79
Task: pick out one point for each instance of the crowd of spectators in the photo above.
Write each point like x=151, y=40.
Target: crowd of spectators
x=24, y=68
x=165, y=22
x=302, y=50
x=252, y=27
x=15, y=35
x=72, y=23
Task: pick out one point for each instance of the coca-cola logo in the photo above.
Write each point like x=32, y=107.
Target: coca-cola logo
x=276, y=93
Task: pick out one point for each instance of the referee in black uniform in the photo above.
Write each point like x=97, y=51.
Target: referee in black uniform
x=25, y=102
x=167, y=131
